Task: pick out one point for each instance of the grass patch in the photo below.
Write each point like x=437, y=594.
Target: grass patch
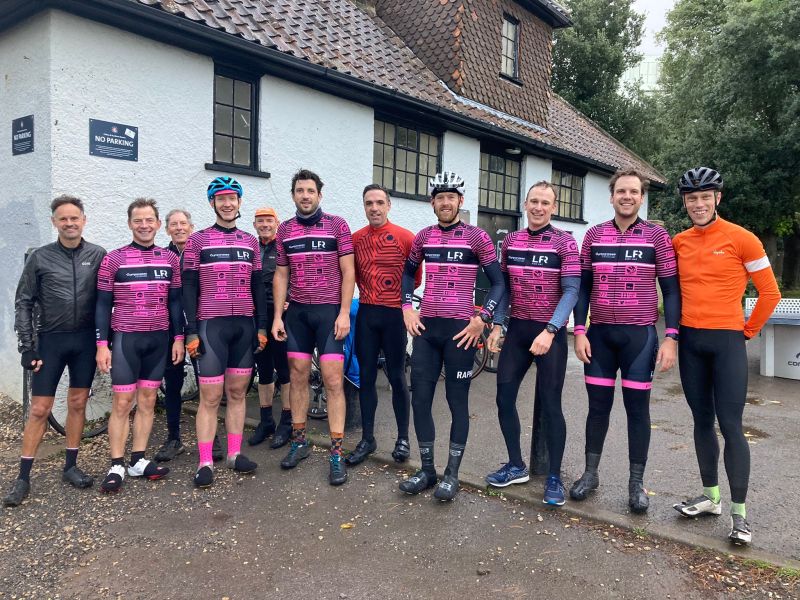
x=493, y=492
x=640, y=532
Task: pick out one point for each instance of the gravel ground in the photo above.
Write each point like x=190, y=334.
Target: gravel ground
x=281, y=534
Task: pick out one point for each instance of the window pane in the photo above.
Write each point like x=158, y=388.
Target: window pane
x=387, y=178
x=378, y=131
x=377, y=154
x=402, y=136
x=411, y=162
x=514, y=169
x=431, y=166
x=433, y=146
x=241, y=123
x=482, y=195
x=401, y=159
x=484, y=161
x=388, y=156
x=241, y=94
x=412, y=139
x=422, y=185
x=223, y=89
x=388, y=134
x=222, y=149
x=241, y=152
x=222, y=119
x=376, y=175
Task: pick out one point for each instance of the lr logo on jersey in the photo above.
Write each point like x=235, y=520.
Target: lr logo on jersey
x=318, y=244
x=454, y=256
x=243, y=255
x=633, y=254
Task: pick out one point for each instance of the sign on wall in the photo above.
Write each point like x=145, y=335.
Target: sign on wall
x=22, y=135
x=113, y=140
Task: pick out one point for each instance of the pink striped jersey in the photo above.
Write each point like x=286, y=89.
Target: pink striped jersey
x=624, y=269
x=312, y=254
x=140, y=279
x=535, y=263
x=452, y=258
x=226, y=260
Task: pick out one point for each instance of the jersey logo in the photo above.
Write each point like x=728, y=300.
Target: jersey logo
x=718, y=252
x=86, y=263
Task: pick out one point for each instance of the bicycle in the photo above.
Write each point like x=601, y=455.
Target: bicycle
x=98, y=406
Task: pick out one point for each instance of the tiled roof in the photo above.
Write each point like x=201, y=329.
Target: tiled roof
x=340, y=35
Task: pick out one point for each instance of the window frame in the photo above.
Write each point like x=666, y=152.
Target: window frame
x=499, y=211
x=573, y=172
x=254, y=82
x=515, y=46
x=420, y=129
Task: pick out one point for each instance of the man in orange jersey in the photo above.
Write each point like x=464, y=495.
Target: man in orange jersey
x=381, y=249
x=715, y=260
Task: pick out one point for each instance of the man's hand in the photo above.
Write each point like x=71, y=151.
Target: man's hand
x=193, y=345
x=178, y=351
x=667, y=354
x=278, y=331
x=493, y=341
x=583, y=349
x=541, y=345
x=30, y=360
x=341, y=327
x=412, y=322
x=103, y=358
x=262, y=340
x=471, y=334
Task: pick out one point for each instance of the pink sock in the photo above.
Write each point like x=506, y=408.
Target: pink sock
x=234, y=443
x=205, y=453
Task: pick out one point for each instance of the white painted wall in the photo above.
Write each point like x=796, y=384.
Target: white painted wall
x=24, y=83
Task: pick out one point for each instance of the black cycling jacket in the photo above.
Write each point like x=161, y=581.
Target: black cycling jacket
x=62, y=284
x=269, y=255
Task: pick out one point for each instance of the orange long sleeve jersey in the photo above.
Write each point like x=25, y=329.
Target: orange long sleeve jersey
x=714, y=264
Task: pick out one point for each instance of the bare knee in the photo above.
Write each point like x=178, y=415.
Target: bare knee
x=40, y=408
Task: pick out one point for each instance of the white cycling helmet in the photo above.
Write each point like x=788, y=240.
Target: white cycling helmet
x=446, y=182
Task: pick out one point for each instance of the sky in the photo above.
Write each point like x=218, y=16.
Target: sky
x=656, y=14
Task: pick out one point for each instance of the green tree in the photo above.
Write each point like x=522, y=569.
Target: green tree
x=589, y=59
x=731, y=100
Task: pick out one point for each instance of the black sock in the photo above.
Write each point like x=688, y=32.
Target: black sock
x=266, y=415
x=426, y=455
x=25, y=464
x=135, y=456
x=174, y=432
x=72, y=457
x=454, y=459
x=118, y=461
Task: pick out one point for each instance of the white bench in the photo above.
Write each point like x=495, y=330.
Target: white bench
x=780, y=339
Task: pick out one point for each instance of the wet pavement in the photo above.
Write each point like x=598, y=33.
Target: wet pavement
x=772, y=424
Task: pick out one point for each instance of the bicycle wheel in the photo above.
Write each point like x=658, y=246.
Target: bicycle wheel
x=481, y=357
x=98, y=406
x=318, y=402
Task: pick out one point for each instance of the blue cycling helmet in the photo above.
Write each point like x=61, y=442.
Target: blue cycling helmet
x=223, y=184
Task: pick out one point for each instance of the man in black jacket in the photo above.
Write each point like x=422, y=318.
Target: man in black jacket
x=60, y=280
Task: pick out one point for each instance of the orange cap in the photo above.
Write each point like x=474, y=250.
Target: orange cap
x=266, y=211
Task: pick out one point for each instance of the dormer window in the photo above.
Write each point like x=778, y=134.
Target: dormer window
x=509, y=65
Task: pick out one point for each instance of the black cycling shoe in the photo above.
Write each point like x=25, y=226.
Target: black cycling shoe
x=169, y=450
x=18, y=492
x=362, y=450
x=77, y=478
x=262, y=432
x=581, y=488
x=204, y=477
x=402, y=450
x=297, y=452
x=418, y=482
x=241, y=464
x=338, y=472
x=447, y=488
x=283, y=433
x=216, y=450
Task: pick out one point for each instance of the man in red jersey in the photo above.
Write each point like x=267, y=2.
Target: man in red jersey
x=381, y=249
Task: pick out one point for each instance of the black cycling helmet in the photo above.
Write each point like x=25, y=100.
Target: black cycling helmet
x=699, y=179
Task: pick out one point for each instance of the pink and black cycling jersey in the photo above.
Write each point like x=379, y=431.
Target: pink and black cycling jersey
x=535, y=263
x=140, y=280
x=452, y=258
x=624, y=267
x=226, y=260
x=312, y=254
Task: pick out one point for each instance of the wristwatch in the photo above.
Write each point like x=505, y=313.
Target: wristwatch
x=485, y=317
x=551, y=328
x=672, y=336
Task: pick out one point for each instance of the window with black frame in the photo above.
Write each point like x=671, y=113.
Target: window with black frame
x=404, y=158
x=509, y=65
x=235, y=121
x=498, y=188
x=570, y=194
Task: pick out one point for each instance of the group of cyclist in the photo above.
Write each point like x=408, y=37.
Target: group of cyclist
x=233, y=301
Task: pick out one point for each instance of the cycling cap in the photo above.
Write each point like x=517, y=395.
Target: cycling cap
x=266, y=211
x=701, y=178
x=221, y=185
x=446, y=182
